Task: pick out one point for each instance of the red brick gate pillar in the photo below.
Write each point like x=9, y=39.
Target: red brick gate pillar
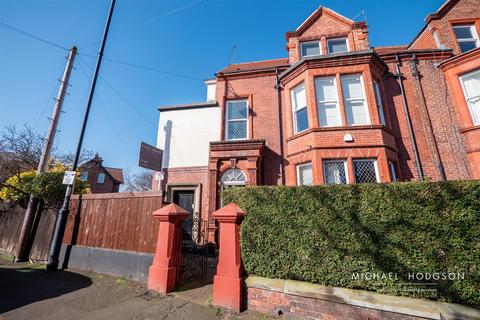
x=228, y=282
x=162, y=276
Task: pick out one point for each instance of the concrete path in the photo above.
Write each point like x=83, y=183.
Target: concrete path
x=28, y=292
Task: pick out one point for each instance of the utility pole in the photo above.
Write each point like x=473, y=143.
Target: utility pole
x=25, y=232
x=56, y=244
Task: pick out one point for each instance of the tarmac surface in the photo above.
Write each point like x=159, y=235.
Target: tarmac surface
x=27, y=291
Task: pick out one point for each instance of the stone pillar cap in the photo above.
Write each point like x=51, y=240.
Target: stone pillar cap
x=230, y=211
x=171, y=210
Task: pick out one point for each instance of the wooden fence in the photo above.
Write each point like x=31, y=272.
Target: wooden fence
x=121, y=221
x=11, y=219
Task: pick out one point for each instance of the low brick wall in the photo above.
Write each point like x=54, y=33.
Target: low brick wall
x=306, y=300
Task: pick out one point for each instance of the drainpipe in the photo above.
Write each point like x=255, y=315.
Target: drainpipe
x=278, y=87
x=399, y=77
x=416, y=75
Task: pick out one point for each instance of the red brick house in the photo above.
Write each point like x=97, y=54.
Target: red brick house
x=101, y=179
x=334, y=111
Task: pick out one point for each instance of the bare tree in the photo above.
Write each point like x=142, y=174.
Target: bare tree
x=20, y=150
x=138, y=182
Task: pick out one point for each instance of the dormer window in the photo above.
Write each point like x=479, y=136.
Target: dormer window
x=310, y=48
x=337, y=45
x=467, y=37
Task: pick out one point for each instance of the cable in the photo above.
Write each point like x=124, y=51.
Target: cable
x=147, y=68
x=50, y=98
x=121, y=96
x=27, y=34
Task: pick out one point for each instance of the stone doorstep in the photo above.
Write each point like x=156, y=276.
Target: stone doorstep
x=366, y=299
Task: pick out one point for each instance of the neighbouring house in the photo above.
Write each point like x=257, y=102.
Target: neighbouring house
x=101, y=179
x=335, y=111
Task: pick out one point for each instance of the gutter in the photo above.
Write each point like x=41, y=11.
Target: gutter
x=278, y=87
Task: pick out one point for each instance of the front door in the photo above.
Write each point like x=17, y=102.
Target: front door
x=184, y=199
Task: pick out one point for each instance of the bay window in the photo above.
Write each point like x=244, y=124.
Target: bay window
x=327, y=102
x=471, y=89
x=335, y=171
x=237, y=120
x=393, y=172
x=354, y=100
x=467, y=37
x=299, y=106
x=304, y=174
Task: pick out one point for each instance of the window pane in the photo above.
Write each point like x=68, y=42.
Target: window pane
x=471, y=86
x=464, y=32
x=305, y=176
x=328, y=114
x=310, y=49
x=237, y=109
x=101, y=178
x=302, y=120
x=365, y=171
x=237, y=130
x=356, y=113
x=352, y=87
x=334, y=172
x=325, y=89
x=467, y=45
x=299, y=97
x=378, y=98
x=393, y=173
x=337, y=45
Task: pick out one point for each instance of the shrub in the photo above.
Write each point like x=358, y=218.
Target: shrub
x=47, y=186
x=326, y=234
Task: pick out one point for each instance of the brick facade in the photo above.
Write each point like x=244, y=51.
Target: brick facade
x=427, y=133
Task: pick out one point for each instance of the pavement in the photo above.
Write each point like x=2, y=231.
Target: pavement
x=27, y=291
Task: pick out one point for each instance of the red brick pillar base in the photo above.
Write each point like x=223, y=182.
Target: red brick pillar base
x=228, y=282
x=162, y=276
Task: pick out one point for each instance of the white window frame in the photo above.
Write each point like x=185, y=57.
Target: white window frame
x=98, y=178
x=365, y=101
x=473, y=30
x=310, y=42
x=475, y=122
x=393, y=171
x=378, y=99
x=375, y=165
x=335, y=160
x=337, y=102
x=337, y=38
x=298, y=166
x=236, y=120
x=294, y=107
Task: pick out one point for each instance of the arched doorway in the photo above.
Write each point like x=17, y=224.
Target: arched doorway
x=232, y=178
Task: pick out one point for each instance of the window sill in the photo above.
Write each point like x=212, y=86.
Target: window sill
x=341, y=128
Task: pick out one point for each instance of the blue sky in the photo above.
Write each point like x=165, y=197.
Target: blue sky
x=189, y=37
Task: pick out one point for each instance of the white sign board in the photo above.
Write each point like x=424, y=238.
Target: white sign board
x=158, y=176
x=69, y=177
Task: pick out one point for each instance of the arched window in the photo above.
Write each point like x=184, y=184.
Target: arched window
x=232, y=178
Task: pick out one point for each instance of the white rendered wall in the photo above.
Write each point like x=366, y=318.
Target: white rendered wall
x=184, y=136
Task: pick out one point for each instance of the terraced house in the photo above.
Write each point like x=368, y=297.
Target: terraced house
x=334, y=111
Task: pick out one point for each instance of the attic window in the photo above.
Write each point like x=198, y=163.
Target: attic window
x=467, y=37
x=101, y=178
x=310, y=48
x=337, y=45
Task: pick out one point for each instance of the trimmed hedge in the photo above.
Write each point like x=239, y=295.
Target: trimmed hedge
x=326, y=234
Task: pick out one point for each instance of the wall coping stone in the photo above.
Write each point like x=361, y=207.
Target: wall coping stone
x=366, y=299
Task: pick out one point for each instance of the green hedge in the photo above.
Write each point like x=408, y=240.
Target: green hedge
x=325, y=234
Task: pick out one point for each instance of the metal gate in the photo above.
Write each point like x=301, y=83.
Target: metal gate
x=193, y=264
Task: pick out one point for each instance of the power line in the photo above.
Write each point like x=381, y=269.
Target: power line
x=122, y=97
x=181, y=75
x=27, y=34
x=47, y=103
